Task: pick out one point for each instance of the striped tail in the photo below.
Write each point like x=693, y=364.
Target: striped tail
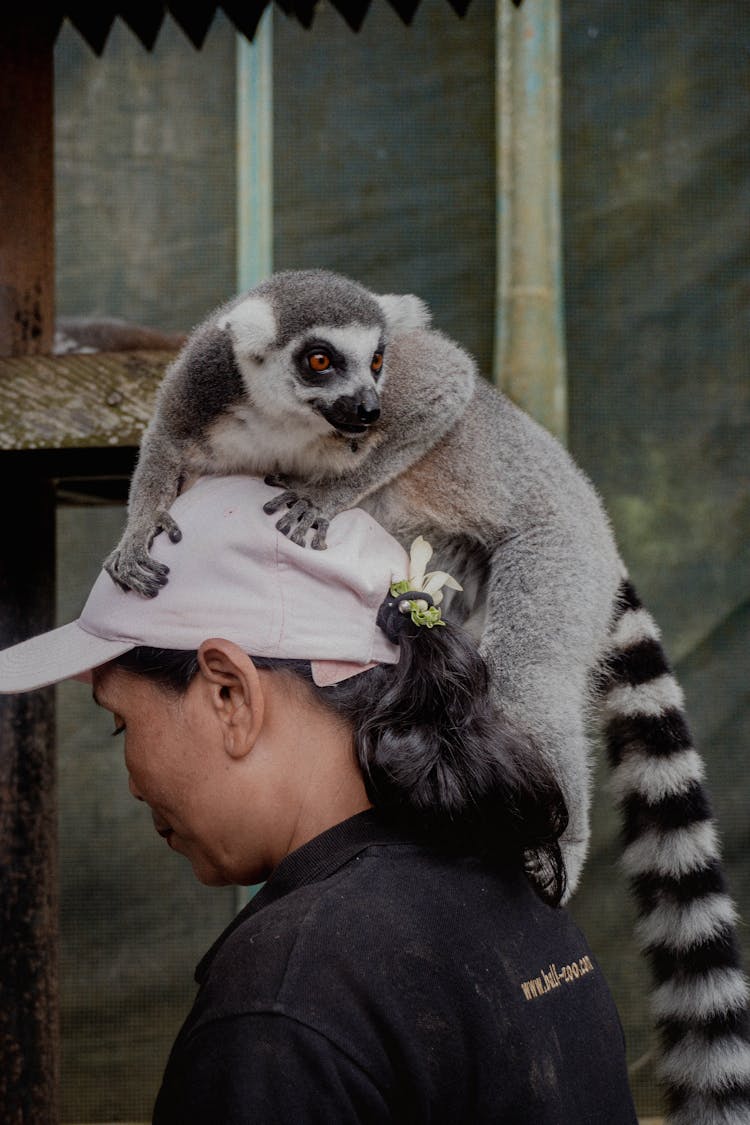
x=687, y=920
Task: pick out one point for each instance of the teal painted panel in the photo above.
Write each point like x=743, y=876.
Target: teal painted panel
x=529, y=334
x=255, y=155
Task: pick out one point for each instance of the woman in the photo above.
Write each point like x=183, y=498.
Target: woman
x=309, y=719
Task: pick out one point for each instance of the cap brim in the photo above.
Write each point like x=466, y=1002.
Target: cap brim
x=61, y=654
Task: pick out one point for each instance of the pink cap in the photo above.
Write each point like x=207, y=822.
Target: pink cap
x=233, y=575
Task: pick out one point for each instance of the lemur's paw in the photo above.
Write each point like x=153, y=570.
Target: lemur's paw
x=131, y=566
x=138, y=572
x=301, y=516
x=538, y=869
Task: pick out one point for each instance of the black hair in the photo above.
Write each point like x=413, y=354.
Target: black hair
x=435, y=753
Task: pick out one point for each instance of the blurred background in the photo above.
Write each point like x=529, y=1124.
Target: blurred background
x=384, y=169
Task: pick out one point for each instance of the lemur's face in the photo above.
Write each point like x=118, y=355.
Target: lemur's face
x=325, y=377
x=337, y=374
x=311, y=348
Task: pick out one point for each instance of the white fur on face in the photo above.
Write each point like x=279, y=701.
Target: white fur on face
x=275, y=389
x=358, y=343
x=252, y=326
x=279, y=429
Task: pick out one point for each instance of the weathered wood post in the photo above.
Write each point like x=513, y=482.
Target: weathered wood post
x=529, y=332
x=29, y=1069
x=28, y=822
x=27, y=245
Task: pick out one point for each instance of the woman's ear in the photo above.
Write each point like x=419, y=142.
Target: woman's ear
x=235, y=693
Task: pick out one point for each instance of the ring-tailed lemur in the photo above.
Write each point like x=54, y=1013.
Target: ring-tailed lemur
x=353, y=400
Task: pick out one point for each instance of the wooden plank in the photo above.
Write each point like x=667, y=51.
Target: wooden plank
x=59, y=402
x=27, y=262
x=29, y=1006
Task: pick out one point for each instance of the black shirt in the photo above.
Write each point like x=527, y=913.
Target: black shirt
x=375, y=980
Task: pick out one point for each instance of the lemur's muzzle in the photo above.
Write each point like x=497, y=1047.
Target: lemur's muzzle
x=352, y=414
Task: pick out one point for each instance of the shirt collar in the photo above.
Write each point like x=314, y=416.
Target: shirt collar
x=313, y=861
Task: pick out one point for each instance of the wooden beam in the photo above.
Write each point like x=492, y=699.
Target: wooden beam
x=27, y=240
x=29, y=1006
x=78, y=401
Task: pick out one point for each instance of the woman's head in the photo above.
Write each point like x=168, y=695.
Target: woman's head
x=238, y=766
x=322, y=631
x=432, y=752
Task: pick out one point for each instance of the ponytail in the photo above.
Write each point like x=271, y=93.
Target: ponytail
x=437, y=756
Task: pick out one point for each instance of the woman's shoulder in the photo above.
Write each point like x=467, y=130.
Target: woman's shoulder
x=406, y=952
x=387, y=901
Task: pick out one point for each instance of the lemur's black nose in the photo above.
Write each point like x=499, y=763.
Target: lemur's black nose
x=367, y=415
x=352, y=414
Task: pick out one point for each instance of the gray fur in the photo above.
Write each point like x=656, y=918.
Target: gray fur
x=515, y=520
x=498, y=490
x=302, y=299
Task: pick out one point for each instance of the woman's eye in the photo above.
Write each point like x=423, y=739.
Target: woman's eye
x=119, y=727
x=377, y=362
x=318, y=362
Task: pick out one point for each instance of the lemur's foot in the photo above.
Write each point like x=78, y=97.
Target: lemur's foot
x=301, y=516
x=132, y=567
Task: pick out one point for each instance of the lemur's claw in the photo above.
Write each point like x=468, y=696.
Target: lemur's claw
x=286, y=498
x=319, y=538
x=299, y=518
x=284, y=525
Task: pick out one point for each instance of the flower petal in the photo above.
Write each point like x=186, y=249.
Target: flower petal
x=436, y=579
x=419, y=555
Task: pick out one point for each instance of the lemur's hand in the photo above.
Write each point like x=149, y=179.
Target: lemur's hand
x=131, y=566
x=302, y=515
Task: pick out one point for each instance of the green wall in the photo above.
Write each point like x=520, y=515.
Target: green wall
x=384, y=148
x=145, y=176
x=384, y=169
x=656, y=169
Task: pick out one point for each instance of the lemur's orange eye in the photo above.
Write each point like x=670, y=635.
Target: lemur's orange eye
x=319, y=361
x=377, y=362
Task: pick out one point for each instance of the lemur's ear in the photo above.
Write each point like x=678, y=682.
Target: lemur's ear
x=251, y=325
x=404, y=313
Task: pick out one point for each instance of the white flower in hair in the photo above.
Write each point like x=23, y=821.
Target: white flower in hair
x=433, y=582
x=420, y=610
